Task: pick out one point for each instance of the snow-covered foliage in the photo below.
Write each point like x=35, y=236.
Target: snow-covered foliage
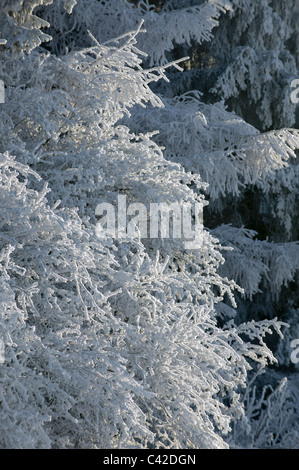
x=129, y=342
x=20, y=27
x=258, y=59
x=177, y=23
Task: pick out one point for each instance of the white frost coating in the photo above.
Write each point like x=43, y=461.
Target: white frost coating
x=125, y=343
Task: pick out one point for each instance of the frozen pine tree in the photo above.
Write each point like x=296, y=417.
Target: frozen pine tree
x=252, y=173
x=257, y=61
x=128, y=342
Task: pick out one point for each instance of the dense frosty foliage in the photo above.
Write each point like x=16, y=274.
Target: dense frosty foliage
x=135, y=342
